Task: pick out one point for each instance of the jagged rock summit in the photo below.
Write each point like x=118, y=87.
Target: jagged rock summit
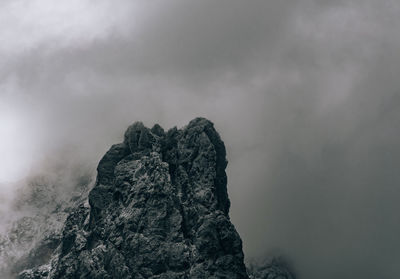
x=159, y=209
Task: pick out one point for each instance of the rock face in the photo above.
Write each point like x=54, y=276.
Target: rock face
x=159, y=209
x=36, y=217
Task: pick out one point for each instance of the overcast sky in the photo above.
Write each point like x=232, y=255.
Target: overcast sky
x=305, y=94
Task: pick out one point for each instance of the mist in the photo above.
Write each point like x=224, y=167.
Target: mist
x=305, y=95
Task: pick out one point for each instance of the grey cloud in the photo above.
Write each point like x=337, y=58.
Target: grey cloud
x=304, y=93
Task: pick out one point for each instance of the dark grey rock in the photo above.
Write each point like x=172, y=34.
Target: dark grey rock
x=159, y=209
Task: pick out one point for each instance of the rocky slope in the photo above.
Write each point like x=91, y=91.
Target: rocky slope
x=32, y=223
x=159, y=209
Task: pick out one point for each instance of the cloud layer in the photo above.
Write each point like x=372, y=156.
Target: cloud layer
x=305, y=94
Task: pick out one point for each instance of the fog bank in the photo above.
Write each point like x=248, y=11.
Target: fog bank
x=305, y=94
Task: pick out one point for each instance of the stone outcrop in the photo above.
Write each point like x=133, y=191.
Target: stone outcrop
x=159, y=209
x=36, y=217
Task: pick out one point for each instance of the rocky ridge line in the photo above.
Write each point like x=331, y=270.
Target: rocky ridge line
x=159, y=209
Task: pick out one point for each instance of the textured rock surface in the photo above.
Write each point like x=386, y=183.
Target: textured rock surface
x=159, y=209
x=36, y=218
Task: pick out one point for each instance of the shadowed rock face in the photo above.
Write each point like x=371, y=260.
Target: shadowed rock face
x=159, y=209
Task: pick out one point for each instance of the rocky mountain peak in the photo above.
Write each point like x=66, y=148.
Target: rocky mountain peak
x=159, y=209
